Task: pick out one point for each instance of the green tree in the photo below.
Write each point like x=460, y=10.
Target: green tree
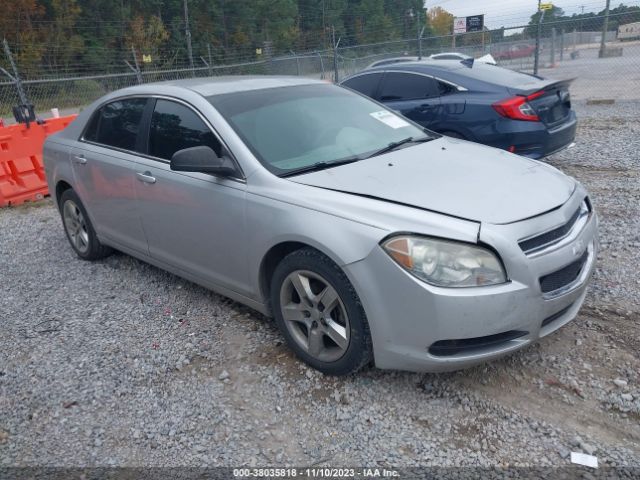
x=146, y=37
x=441, y=21
x=18, y=25
x=553, y=15
x=65, y=44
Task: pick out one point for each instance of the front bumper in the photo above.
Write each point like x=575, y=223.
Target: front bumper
x=419, y=327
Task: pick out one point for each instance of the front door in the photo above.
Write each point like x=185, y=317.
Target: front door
x=413, y=95
x=193, y=221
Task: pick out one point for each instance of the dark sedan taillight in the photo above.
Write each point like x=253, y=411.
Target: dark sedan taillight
x=518, y=108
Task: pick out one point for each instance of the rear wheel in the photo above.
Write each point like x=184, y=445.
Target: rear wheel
x=78, y=228
x=320, y=314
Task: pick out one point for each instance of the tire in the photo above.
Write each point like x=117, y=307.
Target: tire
x=79, y=229
x=332, y=338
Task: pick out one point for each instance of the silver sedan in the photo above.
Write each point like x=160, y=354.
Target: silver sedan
x=368, y=238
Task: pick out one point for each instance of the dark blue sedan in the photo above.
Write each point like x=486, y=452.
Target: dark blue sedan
x=514, y=111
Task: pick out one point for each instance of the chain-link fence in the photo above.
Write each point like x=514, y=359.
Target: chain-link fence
x=602, y=68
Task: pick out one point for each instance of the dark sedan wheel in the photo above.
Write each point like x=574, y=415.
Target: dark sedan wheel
x=319, y=313
x=78, y=228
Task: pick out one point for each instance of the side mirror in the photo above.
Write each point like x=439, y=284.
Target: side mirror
x=202, y=159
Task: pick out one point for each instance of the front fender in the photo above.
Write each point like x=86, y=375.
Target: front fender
x=273, y=222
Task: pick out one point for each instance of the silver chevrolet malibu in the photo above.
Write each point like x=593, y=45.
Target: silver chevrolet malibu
x=368, y=238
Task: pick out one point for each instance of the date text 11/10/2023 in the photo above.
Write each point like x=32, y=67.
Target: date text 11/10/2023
x=314, y=472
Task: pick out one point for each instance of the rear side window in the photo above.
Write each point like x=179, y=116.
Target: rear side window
x=175, y=127
x=407, y=86
x=117, y=124
x=366, y=84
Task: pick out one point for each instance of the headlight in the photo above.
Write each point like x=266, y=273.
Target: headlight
x=446, y=263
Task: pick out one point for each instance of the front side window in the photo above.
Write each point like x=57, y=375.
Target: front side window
x=366, y=84
x=175, y=127
x=296, y=127
x=117, y=124
x=407, y=86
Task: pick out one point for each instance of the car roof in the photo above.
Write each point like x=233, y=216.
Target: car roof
x=427, y=63
x=208, y=86
x=456, y=71
x=459, y=54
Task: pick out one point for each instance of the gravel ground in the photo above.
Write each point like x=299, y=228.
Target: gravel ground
x=119, y=363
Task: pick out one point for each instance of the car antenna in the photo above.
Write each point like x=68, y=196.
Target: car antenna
x=467, y=62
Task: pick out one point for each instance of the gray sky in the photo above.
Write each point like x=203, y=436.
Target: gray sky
x=507, y=13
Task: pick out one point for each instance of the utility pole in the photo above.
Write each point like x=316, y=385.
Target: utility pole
x=335, y=54
x=604, y=30
x=552, y=59
x=536, y=60
x=210, y=62
x=420, y=33
x=187, y=34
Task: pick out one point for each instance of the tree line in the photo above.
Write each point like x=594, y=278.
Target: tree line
x=98, y=34
x=582, y=22
x=82, y=36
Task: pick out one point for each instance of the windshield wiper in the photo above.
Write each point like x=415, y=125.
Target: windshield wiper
x=393, y=145
x=314, y=167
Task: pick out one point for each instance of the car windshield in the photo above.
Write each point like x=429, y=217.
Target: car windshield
x=291, y=128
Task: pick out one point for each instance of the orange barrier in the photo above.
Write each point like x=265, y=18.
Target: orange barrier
x=21, y=170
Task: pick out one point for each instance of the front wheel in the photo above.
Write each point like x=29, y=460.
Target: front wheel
x=319, y=313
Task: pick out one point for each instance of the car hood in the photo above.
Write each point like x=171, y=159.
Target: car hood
x=454, y=177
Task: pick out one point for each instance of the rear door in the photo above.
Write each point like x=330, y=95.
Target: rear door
x=103, y=164
x=193, y=221
x=414, y=95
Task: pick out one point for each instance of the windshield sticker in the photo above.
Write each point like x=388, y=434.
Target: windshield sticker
x=389, y=119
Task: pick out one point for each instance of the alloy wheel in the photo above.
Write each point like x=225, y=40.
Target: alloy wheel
x=76, y=226
x=314, y=315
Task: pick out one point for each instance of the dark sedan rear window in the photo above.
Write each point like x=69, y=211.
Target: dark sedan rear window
x=500, y=76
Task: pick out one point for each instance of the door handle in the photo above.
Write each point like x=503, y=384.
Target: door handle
x=146, y=177
x=80, y=159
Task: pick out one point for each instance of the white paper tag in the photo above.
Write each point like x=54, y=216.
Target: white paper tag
x=584, y=459
x=389, y=119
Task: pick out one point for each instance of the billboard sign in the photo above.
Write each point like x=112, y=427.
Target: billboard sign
x=460, y=25
x=474, y=23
